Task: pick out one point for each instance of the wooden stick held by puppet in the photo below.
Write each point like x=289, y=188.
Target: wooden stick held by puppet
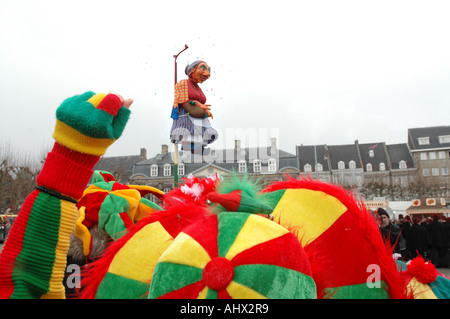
x=190, y=113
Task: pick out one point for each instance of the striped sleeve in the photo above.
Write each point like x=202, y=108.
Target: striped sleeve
x=33, y=259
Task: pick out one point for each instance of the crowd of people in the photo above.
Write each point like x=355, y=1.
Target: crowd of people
x=418, y=235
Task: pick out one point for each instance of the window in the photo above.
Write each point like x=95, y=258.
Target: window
x=154, y=170
x=319, y=167
x=369, y=167
x=426, y=172
x=371, y=153
x=257, y=166
x=307, y=168
x=167, y=170
x=441, y=155
x=423, y=156
x=341, y=165
x=272, y=165
x=402, y=165
x=435, y=171
x=444, y=171
x=382, y=167
x=352, y=164
x=242, y=167
x=432, y=155
x=181, y=169
x=423, y=140
x=166, y=190
x=444, y=139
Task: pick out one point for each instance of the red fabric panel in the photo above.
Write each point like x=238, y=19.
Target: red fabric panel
x=284, y=251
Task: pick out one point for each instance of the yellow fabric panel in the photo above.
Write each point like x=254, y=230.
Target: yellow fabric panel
x=238, y=291
x=69, y=214
x=256, y=230
x=96, y=99
x=203, y=293
x=82, y=232
x=133, y=197
x=186, y=251
x=77, y=141
x=138, y=257
x=307, y=211
x=420, y=290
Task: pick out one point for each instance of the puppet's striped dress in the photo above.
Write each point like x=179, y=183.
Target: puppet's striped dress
x=184, y=127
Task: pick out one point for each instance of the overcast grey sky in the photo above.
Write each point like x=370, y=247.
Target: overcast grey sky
x=305, y=72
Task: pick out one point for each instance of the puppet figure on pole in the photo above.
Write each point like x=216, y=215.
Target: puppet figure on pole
x=191, y=127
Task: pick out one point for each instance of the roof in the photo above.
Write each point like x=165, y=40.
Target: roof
x=374, y=154
x=312, y=155
x=345, y=153
x=428, y=205
x=400, y=152
x=433, y=133
x=121, y=167
x=226, y=159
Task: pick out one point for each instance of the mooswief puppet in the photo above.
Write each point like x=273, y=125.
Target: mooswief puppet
x=191, y=127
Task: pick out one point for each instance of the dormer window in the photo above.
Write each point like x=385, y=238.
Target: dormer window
x=319, y=167
x=167, y=170
x=181, y=169
x=423, y=140
x=257, y=166
x=382, y=167
x=272, y=165
x=352, y=164
x=369, y=167
x=307, y=168
x=341, y=165
x=444, y=139
x=371, y=153
x=402, y=165
x=242, y=167
x=154, y=170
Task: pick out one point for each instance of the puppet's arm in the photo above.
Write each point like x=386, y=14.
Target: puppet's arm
x=197, y=109
x=33, y=259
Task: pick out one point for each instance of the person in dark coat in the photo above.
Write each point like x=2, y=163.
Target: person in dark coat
x=417, y=240
x=438, y=241
x=390, y=232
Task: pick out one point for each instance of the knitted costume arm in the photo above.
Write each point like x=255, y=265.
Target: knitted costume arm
x=33, y=259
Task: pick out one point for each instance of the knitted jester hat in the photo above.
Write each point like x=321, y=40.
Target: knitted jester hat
x=112, y=207
x=422, y=279
x=348, y=257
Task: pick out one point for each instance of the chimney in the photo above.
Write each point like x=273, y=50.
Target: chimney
x=164, y=149
x=273, y=145
x=237, y=145
x=144, y=153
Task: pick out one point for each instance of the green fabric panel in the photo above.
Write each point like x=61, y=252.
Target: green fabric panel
x=117, y=287
x=172, y=277
x=34, y=265
x=211, y=294
x=115, y=227
x=253, y=205
x=112, y=204
x=441, y=287
x=229, y=225
x=272, y=198
x=149, y=203
x=359, y=291
x=276, y=282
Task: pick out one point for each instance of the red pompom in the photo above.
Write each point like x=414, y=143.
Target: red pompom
x=425, y=272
